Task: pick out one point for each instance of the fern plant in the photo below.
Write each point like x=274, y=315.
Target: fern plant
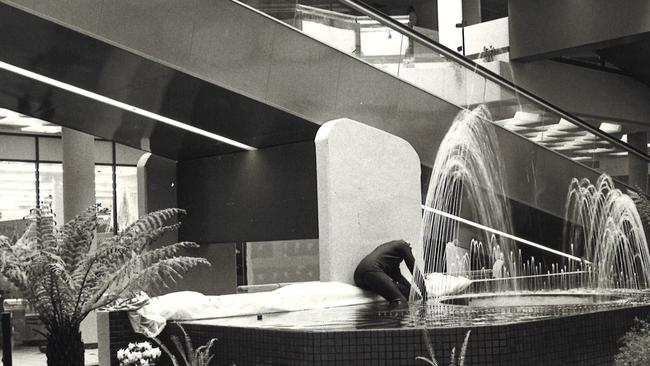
x=188, y=355
x=460, y=361
x=65, y=277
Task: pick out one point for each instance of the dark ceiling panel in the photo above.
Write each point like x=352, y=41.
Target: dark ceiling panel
x=67, y=109
x=44, y=47
x=632, y=58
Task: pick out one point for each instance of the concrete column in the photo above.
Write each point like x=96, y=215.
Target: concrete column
x=638, y=168
x=79, y=193
x=78, y=172
x=450, y=12
x=472, y=11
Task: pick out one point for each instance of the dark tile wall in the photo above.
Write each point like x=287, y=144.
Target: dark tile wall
x=587, y=339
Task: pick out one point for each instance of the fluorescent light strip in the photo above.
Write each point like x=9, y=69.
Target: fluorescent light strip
x=501, y=233
x=121, y=105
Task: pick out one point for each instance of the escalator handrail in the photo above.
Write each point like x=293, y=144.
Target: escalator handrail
x=387, y=21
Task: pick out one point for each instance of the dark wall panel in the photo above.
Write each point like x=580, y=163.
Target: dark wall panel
x=268, y=194
x=544, y=29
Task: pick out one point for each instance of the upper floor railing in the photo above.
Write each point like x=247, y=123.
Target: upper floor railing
x=394, y=45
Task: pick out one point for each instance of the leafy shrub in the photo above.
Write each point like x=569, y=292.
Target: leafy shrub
x=635, y=346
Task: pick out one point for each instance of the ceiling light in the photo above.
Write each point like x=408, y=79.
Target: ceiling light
x=566, y=125
x=598, y=150
x=42, y=129
x=121, y=105
x=610, y=127
x=527, y=118
x=581, y=158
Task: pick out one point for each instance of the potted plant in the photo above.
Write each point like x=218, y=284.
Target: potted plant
x=65, y=277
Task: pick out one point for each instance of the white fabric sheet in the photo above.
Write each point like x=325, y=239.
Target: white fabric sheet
x=151, y=319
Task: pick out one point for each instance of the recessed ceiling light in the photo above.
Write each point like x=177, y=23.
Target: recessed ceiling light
x=42, y=129
x=610, y=127
x=526, y=118
x=121, y=105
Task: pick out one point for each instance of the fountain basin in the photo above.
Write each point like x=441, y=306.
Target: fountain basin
x=377, y=334
x=533, y=299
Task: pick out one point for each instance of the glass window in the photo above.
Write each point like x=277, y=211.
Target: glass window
x=280, y=261
x=104, y=197
x=17, y=189
x=50, y=178
x=126, y=180
x=17, y=147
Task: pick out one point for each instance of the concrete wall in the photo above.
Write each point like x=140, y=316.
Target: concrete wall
x=544, y=29
x=157, y=189
x=368, y=194
x=583, y=91
x=263, y=195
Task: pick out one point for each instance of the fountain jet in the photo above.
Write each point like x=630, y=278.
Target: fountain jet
x=604, y=227
x=467, y=170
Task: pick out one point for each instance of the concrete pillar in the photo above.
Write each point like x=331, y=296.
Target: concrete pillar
x=156, y=184
x=472, y=11
x=450, y=12
x=638, y=168
x=79, y=193
x=78, y=172
x=368, y=193
x=157, y=190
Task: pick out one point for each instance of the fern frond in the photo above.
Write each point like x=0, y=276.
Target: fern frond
x=12, y=266
x=146, y=239
x=463, y=349
x=160, y=275
x=179, y=346
x=148, y=223
x=202, y=355
x=430, y=362
x=123, y=267
x=453, y=357
x=45, y=230
x=76, y=237
x=167, y=351
x=429, y=345
x=188, y=345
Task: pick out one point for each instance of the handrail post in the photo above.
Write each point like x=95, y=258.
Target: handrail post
x=6, y=339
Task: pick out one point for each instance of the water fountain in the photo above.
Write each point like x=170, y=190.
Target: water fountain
x=466, y=166
x=604, y=227
x=567, y=310
x=604, y=249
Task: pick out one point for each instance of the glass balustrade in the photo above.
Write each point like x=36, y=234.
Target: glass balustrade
x=416, y=58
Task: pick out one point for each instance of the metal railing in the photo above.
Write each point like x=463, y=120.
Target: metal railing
x=391, y=23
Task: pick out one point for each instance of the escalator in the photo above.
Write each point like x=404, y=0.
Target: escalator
x=270, y=72
x=404, y=82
